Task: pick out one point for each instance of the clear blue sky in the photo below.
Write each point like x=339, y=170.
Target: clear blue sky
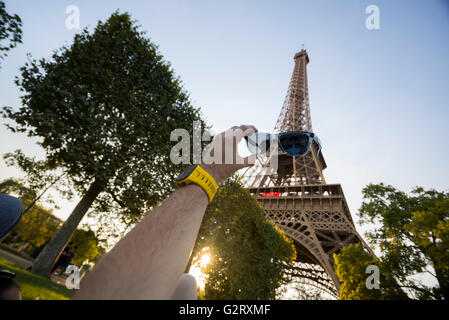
x=379, y=98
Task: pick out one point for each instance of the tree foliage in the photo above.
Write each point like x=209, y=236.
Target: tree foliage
x=412, y=233
x=350, y=268
x=10, y=31
x=89, y=246
x=38, y=225
x=109, y=227
x=38, y=177
x=12, y=186
x=249, y=256
x=104, y=108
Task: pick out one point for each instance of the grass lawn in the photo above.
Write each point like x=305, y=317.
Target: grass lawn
x=35, y=287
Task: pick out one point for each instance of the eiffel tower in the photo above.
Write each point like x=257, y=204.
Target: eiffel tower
x=297, y=199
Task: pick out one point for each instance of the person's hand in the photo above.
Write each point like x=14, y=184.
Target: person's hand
x=221, y=159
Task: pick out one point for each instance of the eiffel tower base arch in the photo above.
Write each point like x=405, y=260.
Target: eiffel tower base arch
x=318, y=220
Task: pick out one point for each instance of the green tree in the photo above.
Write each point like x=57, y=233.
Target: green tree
x=10, y=31
x=412, y=233
x=37, y=226
x=249, y=256
x=89, y=247
x=350, y=268
x=104, y=109
x=12, y=186
x=109, y=226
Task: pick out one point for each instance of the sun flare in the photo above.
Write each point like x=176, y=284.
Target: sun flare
x=205, y=259
x=197, y=270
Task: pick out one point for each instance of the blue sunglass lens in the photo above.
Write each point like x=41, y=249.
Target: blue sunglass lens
x=295, y=143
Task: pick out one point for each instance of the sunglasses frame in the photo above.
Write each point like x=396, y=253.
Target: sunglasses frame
x=312, y=136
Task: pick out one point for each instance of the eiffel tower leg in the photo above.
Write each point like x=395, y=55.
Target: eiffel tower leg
x=317, y=218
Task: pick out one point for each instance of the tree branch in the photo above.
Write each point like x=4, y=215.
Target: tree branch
x=114, y=197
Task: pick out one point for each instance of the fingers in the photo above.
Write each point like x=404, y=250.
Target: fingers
x=239, y=131
x=224, y=150
x=247, y=130
x=243, y=130
x=230, y=131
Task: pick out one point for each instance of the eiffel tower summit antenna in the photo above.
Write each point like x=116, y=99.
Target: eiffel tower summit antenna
x=297, y=198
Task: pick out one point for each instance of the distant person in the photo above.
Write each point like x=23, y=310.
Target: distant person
x=70, y=256
x=9, y=289
x=11, y=211
x=64, y=259
x=24, y=247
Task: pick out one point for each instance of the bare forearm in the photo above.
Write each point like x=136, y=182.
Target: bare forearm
x=147, y=262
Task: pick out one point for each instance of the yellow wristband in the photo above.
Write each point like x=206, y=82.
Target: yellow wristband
x=196, y=174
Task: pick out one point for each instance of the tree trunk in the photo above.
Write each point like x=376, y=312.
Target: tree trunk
x=47, y=258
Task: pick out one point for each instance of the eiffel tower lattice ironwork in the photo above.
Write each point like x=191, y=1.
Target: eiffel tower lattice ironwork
x=296, y=197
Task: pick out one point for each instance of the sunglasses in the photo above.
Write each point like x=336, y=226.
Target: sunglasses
x=293, y=143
